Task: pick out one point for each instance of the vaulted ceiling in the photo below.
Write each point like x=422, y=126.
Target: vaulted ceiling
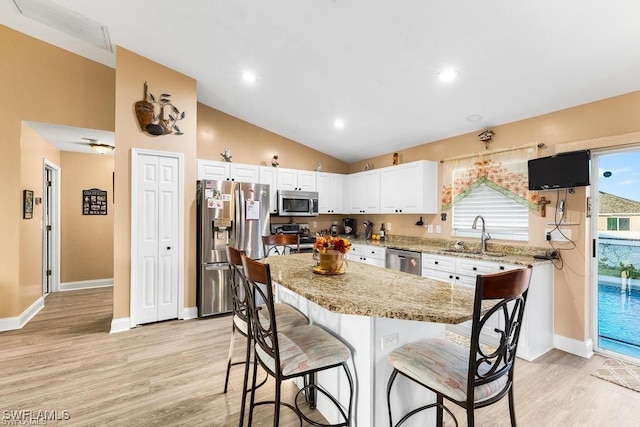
x=373, y=64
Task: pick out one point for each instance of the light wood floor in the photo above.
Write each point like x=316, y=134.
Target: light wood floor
x=172, y=373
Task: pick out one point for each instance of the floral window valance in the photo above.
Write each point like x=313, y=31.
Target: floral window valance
x=504, y=171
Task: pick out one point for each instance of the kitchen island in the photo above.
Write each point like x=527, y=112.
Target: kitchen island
x=374, y=310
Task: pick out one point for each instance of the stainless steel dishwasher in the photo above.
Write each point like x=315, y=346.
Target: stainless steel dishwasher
x=407, y=261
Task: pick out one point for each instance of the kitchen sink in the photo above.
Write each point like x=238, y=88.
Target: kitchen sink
x=469, y=252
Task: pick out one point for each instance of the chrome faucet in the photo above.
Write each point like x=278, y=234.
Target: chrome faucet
x=484, y=236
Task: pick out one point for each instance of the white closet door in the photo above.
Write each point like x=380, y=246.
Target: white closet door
x=168, y=238
x=157, y=279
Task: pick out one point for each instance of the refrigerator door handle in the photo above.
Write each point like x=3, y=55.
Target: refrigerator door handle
x=216, y=267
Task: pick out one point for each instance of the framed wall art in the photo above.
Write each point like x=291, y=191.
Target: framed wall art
x=94, y=202
x=27, y=204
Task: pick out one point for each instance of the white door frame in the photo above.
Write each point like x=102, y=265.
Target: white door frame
x=135, y=153
x=55, y=225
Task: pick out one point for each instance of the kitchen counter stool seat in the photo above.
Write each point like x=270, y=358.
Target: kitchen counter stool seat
x=477, y=376
x=286, y=314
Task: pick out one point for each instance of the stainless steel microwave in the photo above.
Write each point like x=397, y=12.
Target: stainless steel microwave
x=297, y=203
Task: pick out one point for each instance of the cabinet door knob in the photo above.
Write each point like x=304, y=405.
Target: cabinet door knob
x=502, y=267
x=475, y=269
x=435, y=262
x=168, y=248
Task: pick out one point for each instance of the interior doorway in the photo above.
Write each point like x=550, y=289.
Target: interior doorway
x=50, y=228
x=616, y=259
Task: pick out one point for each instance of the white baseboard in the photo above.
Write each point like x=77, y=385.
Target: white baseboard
x=17, y=322
x=120, y=325
x=189, y=313
x=579, y=348
x=86, y=284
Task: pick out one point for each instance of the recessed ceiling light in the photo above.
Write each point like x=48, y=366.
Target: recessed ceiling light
x=338, y=124
x=249, y=77
x=447, y=75
x=473, y=118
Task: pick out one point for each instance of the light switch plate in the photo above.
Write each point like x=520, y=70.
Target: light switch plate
x=438, y=229
x=430, y=228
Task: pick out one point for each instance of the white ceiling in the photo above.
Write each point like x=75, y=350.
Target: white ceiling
x=373, y=63
x=67, y=138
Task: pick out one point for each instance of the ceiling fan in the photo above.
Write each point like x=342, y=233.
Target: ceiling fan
x=98, y=146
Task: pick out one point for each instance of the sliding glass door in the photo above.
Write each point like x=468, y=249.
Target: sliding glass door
x=615, y=215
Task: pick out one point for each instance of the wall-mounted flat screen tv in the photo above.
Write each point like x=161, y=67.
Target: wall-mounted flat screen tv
x=564, y=170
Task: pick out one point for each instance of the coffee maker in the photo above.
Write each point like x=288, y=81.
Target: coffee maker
x=349, y=225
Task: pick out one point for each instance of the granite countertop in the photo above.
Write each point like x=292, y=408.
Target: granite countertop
x=368, y=290
x=507, y=254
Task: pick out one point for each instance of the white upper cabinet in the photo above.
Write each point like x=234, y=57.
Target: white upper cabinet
x=227, y=171
x=331, y=193
x=294, y=179
x=269, y=176
x=363, y=192
x=212, y=170
x=409, y=188
x=245, y=173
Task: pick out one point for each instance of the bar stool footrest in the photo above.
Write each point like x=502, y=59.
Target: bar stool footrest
x=333, y=400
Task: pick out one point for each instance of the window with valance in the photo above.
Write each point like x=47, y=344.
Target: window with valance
x=494, y=185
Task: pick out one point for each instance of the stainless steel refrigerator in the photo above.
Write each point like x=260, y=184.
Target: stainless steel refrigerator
x=229, y=213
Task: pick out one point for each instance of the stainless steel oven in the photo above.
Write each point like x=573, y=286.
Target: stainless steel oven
x=297, y=203
x=307, y=241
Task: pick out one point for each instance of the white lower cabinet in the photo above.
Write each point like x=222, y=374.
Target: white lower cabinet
x=536, y=335
x=367, y=254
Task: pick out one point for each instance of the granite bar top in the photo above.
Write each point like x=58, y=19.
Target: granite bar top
x=368, y=290
x=508, y=254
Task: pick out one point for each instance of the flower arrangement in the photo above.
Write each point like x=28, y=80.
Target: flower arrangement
x=340, y=244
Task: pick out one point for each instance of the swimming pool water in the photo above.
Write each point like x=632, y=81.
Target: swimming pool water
x=619, y=320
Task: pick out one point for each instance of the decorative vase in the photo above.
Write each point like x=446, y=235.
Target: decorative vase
x=331, y=260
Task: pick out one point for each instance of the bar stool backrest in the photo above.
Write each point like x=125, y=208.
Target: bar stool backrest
x=286, y=241
x=238, y=292
x=510, y=288
x=265, y=332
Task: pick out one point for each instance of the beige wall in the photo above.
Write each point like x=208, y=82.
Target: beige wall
x=131, y=72
x=34, y=149
x=603, y=119
x=45, y=84
x=86, y=240
x=254, y=145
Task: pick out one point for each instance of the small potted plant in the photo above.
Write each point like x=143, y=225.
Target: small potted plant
x=331, y=252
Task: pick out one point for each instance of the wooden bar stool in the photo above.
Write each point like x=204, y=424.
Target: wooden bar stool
x=300, y=351
x=475, y=377
x=288, y=243
x=287, y=316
